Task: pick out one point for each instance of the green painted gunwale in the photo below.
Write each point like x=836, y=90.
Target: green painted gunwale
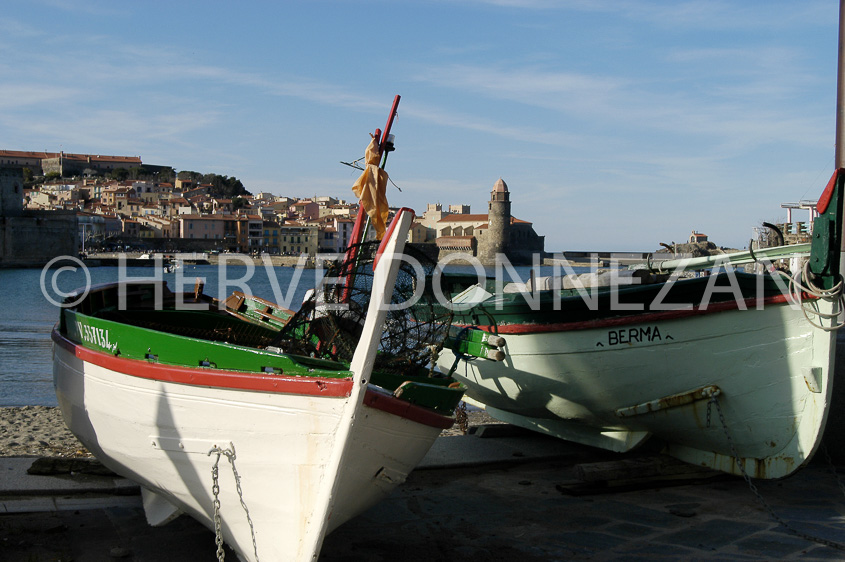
x=570, y=306
x=102, y=327
x=135, y=342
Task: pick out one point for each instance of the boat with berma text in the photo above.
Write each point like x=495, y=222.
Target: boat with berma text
x=730, y=370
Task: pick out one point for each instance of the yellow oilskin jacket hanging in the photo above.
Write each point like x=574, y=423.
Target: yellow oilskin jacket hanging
x=371, y=189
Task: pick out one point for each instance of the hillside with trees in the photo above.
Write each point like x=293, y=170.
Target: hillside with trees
x=224, y=187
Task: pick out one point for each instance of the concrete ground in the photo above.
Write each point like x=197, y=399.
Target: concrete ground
x=512, y=497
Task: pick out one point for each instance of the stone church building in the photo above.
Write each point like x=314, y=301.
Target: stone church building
x=485, y=236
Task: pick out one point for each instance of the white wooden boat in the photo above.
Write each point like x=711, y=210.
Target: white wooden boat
x=732, y=371
x=613, y=382
x=312, y=447
x=272, y=447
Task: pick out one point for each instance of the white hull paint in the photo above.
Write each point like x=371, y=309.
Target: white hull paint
x=307, y=462
x=614, y=386
x=159, y=434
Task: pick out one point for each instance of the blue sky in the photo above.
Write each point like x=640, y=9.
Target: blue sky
x=617, y=125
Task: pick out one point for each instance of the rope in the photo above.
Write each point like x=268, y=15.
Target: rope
x=434, y=351
x=835, y=293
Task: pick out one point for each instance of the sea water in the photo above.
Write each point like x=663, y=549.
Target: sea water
x=28, y=313
x=29, y=309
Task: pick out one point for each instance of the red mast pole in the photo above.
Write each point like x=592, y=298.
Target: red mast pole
x=359, y=231
x=389, y=122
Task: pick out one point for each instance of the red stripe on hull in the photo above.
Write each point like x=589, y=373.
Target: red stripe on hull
x=309, y=386
x=522, y=329
x=393, y=405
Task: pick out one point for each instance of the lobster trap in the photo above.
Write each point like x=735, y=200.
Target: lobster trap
x=329, y=324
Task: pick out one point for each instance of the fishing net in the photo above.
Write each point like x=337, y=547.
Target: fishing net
x=330, y=322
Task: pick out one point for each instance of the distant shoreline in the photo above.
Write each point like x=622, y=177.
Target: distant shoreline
x=134, y=259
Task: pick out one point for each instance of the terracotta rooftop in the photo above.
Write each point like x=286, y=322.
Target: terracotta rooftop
x=69, y=156
x=26, y=154
x=464, y=218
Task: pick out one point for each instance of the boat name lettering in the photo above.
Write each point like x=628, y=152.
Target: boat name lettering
x=634, y=335
x=97, y=336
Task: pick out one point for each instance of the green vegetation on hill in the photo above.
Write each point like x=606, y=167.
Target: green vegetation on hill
x=222, y=186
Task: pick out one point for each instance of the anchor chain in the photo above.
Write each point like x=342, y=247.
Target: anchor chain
x=714, y=400
x=832, y=468
x=215, y=490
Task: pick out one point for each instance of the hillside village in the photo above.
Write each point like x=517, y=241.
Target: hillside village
x=142, y=214
x=175, y=214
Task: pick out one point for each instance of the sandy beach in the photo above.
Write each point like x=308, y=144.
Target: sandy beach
x=39, y=431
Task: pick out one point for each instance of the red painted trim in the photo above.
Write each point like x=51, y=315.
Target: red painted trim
x=352, y=251
x=215, y=378
x=524, y=329
x=310, y=386
x=824, y=200
x=389, y=124
x=412, y=412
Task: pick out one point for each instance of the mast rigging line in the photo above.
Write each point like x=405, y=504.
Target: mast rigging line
x=354, y=164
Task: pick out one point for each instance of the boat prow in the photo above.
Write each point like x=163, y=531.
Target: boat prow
x=270, y=450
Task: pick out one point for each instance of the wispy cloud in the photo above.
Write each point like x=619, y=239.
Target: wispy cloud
x=16, y=96
x=562, y=91
x=451, y=119
x=12, y=29
x=99, y=9
x=690, y=14
x=155, y=69
x=565, y=98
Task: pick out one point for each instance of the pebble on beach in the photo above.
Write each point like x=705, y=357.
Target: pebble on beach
x=37, y=431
